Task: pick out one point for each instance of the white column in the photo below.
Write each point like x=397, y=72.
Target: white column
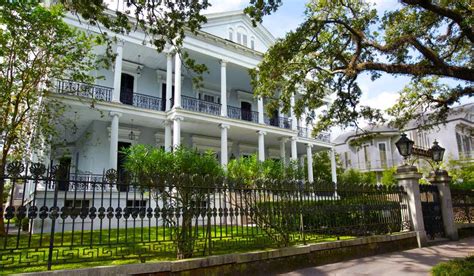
x=224, y=146
x=260, y=110
x=283, y=149
x=118, y=72
x=309, y=157
x=177, y=131
x=294, y=150
x=333, y=167
x=169, y=80
x=168, y=136
x=261, y=145
x=114, y=129
x=294, y=123
x=177, y=81
x=223, y=88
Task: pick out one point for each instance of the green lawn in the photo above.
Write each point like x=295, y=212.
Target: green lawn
x=456, y=267
x=79, y=249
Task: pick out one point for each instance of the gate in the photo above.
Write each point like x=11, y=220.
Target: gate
x=431, y=208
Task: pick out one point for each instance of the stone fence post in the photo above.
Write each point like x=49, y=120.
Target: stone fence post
x=408, y=177
x=441, y=179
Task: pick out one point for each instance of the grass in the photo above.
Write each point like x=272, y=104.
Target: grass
x=456, y=267
x=80, y=249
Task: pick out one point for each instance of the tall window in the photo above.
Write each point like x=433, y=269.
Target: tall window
x=347, y=159
x=242, y=36
x=252, y=43
x=367, y=156
x=383, y=155
x=231, y=34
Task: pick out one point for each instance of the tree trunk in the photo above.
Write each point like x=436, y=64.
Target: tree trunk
x=2, y=186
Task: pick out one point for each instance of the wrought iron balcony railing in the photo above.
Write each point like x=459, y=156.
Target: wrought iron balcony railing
x=281, y=122
x=148, y=102
x=194, y=104
x=241, y=114
x=98, y=92
x=306, y=133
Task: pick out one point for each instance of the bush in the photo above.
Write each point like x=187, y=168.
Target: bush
x=353, y=177
x=462, y=173
x=458, y=267
x=352, y=216
x=388, y=177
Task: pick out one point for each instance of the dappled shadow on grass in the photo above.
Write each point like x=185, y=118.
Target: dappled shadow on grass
x=29, y=253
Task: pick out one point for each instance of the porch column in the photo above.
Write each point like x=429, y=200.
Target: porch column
x=169, y=80
x=333, y=167
x=260, y=110
x=168, y=136
x=294, y=150
x=224, y=147
x=261, y=145
x=408, y=177
x=177, y=131
x=177, y=81
x=309, y=157
x=117, y=72
x=223, y=88
x=294, y=123
x=283, y=149
x=114, y=130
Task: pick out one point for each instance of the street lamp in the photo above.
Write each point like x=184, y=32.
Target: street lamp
x=437, y=152
x=405, y=146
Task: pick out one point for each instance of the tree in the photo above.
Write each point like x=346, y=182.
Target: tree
x=430, y=41
x=36, y=47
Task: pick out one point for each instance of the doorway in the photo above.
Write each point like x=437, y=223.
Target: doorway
x=123, y=176
x=163, y=96
x=246, y=111
x=126, y=89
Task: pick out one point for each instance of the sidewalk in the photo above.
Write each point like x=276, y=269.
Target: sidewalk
x=417, y=261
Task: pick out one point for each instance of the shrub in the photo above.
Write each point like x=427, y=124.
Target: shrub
x=388, y=177
x=458, y=267
x=353, y=177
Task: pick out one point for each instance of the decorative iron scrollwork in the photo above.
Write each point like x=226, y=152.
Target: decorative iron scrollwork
x=9, y=212
x=15, y=168
x=111, y=175
x=37, y=169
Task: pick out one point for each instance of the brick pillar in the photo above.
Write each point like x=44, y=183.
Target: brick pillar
x=441, y=179
x=408, y=177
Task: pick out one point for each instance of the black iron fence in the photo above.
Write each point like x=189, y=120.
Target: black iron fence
x=63, y=219
x=242, y=114
x=463, y=205
x=307, y=133
x=281, y=122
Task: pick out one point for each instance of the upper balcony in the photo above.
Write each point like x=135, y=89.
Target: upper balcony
x=307, y=133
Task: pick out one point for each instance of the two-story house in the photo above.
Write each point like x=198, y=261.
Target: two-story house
x=373, y=148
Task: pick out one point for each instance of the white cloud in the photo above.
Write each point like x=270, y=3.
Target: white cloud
x=382, y=100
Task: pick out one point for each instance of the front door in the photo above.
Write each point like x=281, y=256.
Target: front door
x=246, y=111
x=274, y=121
x=126, y=89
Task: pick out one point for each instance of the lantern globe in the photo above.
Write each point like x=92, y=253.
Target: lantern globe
x=437, y=152
x=405, y=146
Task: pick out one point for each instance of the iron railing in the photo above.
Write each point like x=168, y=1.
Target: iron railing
x=148, y=102
x=93, y=91
x=197, y=105
x=281, y=122
x=307, y=133
x=463, y=205
x=242, y=114
x=180, y=216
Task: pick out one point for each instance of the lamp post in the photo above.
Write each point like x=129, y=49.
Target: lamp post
x=405, y=146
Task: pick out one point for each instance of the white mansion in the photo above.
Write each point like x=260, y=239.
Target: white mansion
x=148, y=98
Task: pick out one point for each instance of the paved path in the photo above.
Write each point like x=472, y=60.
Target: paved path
x=410, y=262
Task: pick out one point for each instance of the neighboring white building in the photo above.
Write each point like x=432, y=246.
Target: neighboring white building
x=377, y=151
x=148, y=98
